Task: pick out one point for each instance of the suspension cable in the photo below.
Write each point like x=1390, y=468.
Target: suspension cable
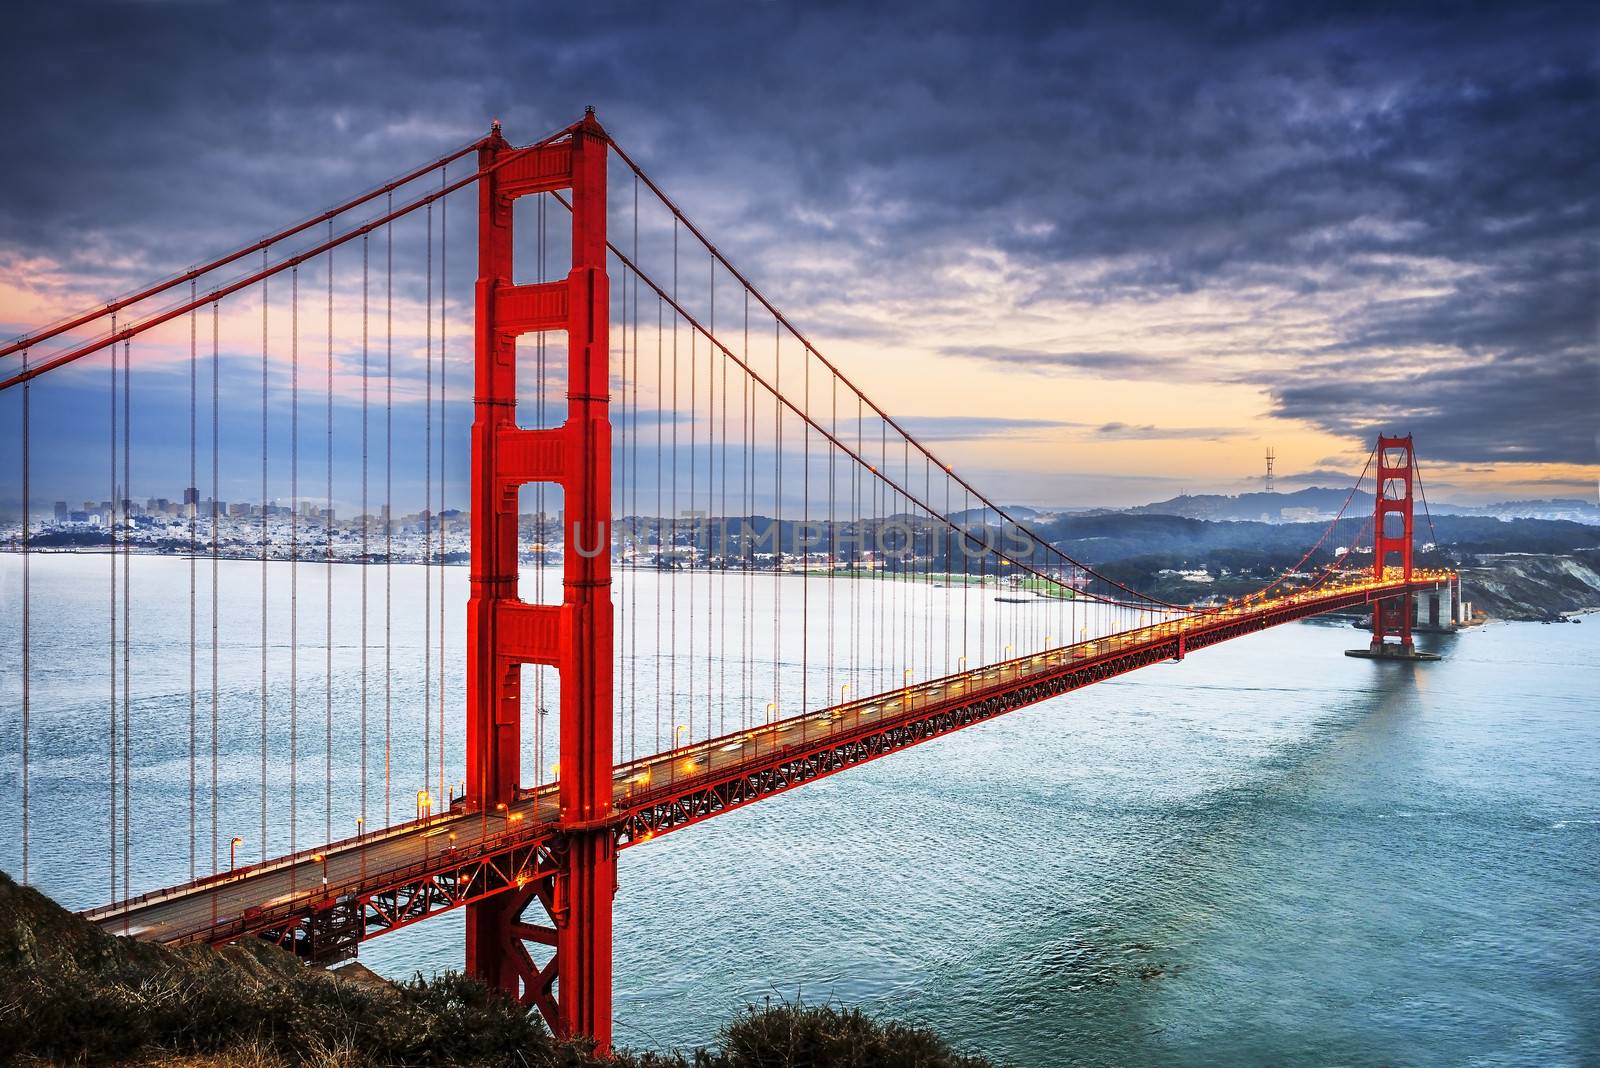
x=282, y=265
x=1328, y=530
x=780, y=318
x=238, y=254
x=1416, y=468
x=781, y=401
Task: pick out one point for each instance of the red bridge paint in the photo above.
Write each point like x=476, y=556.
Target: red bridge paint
x=501, y=849
x=574, y=889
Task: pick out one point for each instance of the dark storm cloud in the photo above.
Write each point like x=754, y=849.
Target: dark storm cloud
x=1331, y=155
x=1507, y=408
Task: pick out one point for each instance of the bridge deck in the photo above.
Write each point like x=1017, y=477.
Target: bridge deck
x=388, y=879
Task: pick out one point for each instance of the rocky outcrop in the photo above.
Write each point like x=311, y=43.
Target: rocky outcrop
x=1532, y=587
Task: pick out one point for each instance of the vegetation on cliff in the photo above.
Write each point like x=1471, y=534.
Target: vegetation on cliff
x=71, y=994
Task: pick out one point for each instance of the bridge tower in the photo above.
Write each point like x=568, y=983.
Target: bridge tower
x=573, y=988
x=1391, y=526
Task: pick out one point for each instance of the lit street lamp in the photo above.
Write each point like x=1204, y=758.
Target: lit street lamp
x=233, y=852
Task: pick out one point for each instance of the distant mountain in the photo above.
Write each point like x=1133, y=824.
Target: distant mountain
x=1568, y=508
x=988, y=515
x=1308, y=505
x=1301, y=506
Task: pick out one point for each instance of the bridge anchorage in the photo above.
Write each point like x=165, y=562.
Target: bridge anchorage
x=822, y=590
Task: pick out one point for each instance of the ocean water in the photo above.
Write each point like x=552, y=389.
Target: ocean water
x=1267, y=854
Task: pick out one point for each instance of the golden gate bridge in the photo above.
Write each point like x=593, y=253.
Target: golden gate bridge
x=764, y=577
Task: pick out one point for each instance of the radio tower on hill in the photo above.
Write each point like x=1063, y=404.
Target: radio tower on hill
x=1271, y=456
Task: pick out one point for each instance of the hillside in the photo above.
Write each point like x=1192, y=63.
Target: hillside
x=1323, y=502
x=1515, y=586
x=70, y=994
x=1527, y=569
x=1185, y=541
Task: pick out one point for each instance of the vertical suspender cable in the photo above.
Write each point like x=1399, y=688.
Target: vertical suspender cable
x=427, y=523
x=191, y=504
x=444, y=263
x=659, y=524
x=366, y=548
x=111, y=655
x=722, y=584
x=707, y=523
x=746, y=615
x=294, y=559
x=833, y=456
x=263, y=735
x=327, y=580
x=620, y=474
x=633, y=442
x=388, y=519
x=948, y=573
x=27, y=591
x=927, y=570
x=672, y=612
x=777, y=512
x=856, y=547
x=127, y=614
x=216, y=555
x=803, y=545
x=689, y=628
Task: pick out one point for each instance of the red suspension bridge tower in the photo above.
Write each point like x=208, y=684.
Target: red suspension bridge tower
x=574, y=637
x=1392, y=522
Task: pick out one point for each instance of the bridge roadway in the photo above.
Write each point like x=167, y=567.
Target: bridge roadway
x=360, y=887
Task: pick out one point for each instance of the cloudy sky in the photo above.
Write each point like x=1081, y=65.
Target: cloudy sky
x=1100, y=256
